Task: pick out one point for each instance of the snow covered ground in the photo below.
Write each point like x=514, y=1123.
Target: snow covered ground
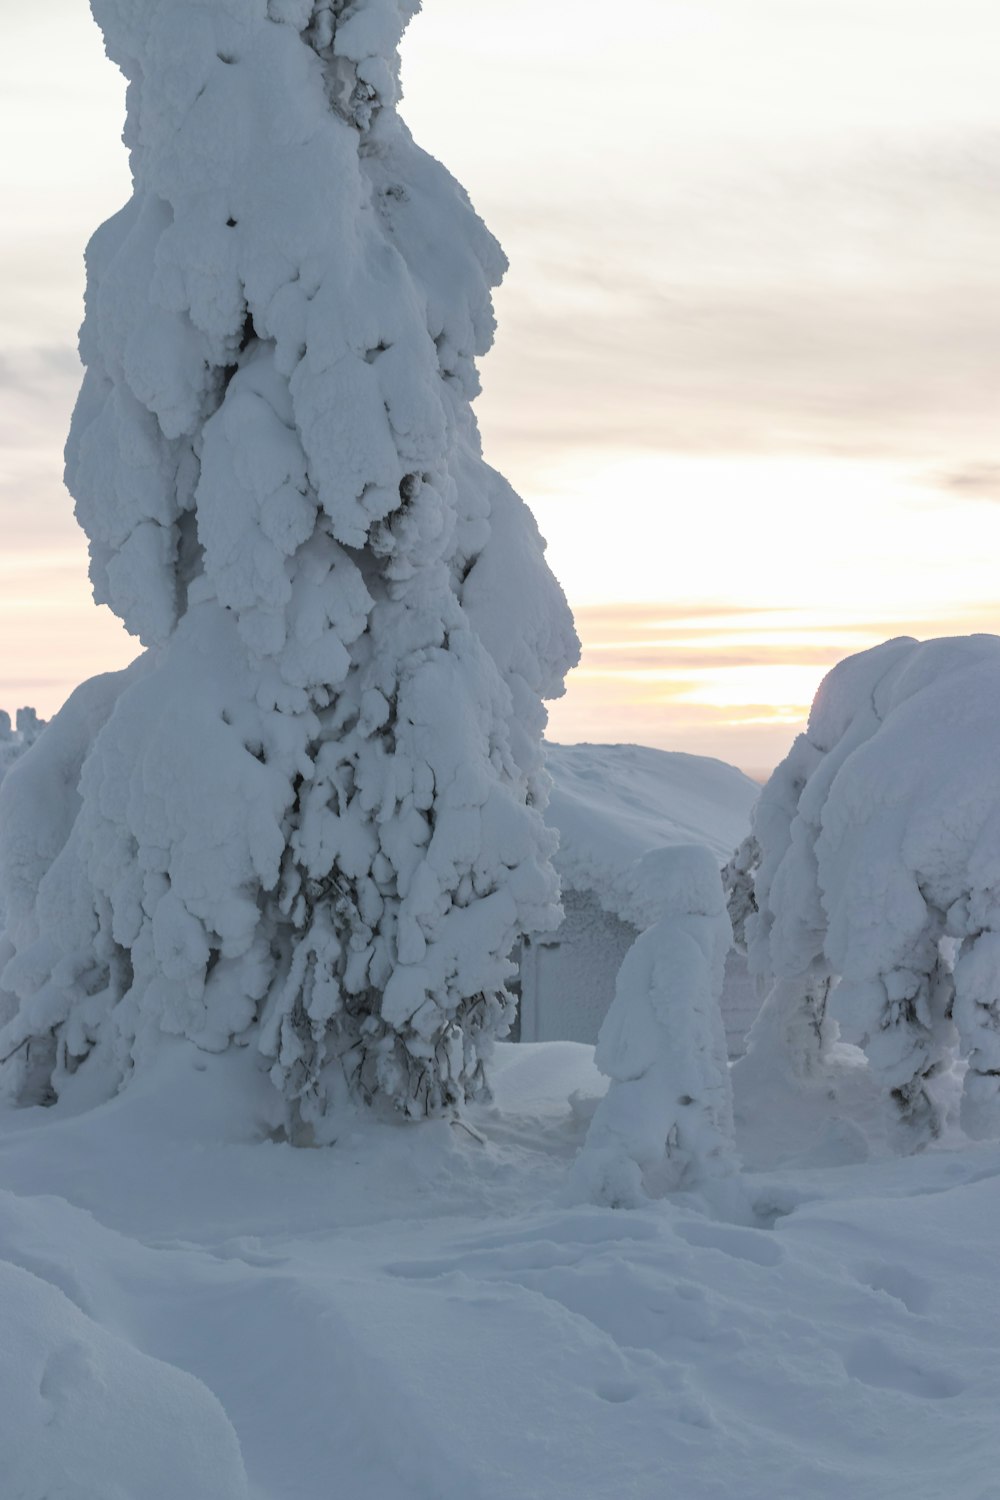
x=191, y=1311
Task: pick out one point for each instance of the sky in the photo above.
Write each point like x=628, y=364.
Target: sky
x=746, y=371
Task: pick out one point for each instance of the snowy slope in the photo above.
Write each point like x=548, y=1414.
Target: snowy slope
x=612, y=804
x=413, y=1315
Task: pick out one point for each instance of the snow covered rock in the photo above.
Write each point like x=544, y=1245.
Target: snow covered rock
x=879, y=873
x=310, y=818
x=667, y=1120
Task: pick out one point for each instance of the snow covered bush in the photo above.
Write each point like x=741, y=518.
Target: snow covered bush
x=666, y=1120
x=879, y=876
x=309, y=818
x=17, y=737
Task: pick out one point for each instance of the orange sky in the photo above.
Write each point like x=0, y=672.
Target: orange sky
x=746, y=369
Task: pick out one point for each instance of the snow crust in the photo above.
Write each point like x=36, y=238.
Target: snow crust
x=614, y=804
x=876, y=872
x=310, y=818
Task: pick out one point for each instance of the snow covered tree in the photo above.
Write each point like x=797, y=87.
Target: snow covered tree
x=17, y=737
x=666, y=1121
x=738, y=880
x=879, y=877
x=309, y=818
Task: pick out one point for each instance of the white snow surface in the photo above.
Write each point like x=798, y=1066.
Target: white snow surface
x=613, y=804
x=413, y=1314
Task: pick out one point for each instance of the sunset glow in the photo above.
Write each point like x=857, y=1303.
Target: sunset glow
x=746, y=354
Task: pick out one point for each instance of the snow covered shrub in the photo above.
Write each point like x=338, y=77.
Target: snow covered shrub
x=17, y=737
x=666, y=1121
x=879, y=875
x=739, y=876
x=310, y=816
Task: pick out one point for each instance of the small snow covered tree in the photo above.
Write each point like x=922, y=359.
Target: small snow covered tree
x=308, y=819
x=17, y=737
x=879, y=876
x=666, y=1121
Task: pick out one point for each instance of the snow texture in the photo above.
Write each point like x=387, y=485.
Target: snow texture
x=878, y=878
x=86, y=1414
x=310, y=817
x=666, y=1121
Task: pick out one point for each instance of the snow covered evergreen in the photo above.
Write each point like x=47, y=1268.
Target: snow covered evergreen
x=878, y=884
x=17, y=737
x=309, y=817
x=667, y=1119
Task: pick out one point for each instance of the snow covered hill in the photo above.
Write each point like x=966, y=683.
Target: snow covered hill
x=613, y=803
x=613, y=807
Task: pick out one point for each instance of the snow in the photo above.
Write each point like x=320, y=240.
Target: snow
x=84, y=1411
x=418, y=1313
x=613, y=804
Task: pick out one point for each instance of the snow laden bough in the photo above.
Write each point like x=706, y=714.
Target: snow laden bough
x=875, y=862
x=666, y=1121
x=309, y=818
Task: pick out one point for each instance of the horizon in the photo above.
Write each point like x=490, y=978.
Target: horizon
x=744, y=355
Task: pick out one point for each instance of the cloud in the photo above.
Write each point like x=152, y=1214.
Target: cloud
x=35, y=371
x=843, y=304
x=975, y=482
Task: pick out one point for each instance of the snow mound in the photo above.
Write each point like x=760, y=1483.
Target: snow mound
x=613, y=804
x=83, y=1414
